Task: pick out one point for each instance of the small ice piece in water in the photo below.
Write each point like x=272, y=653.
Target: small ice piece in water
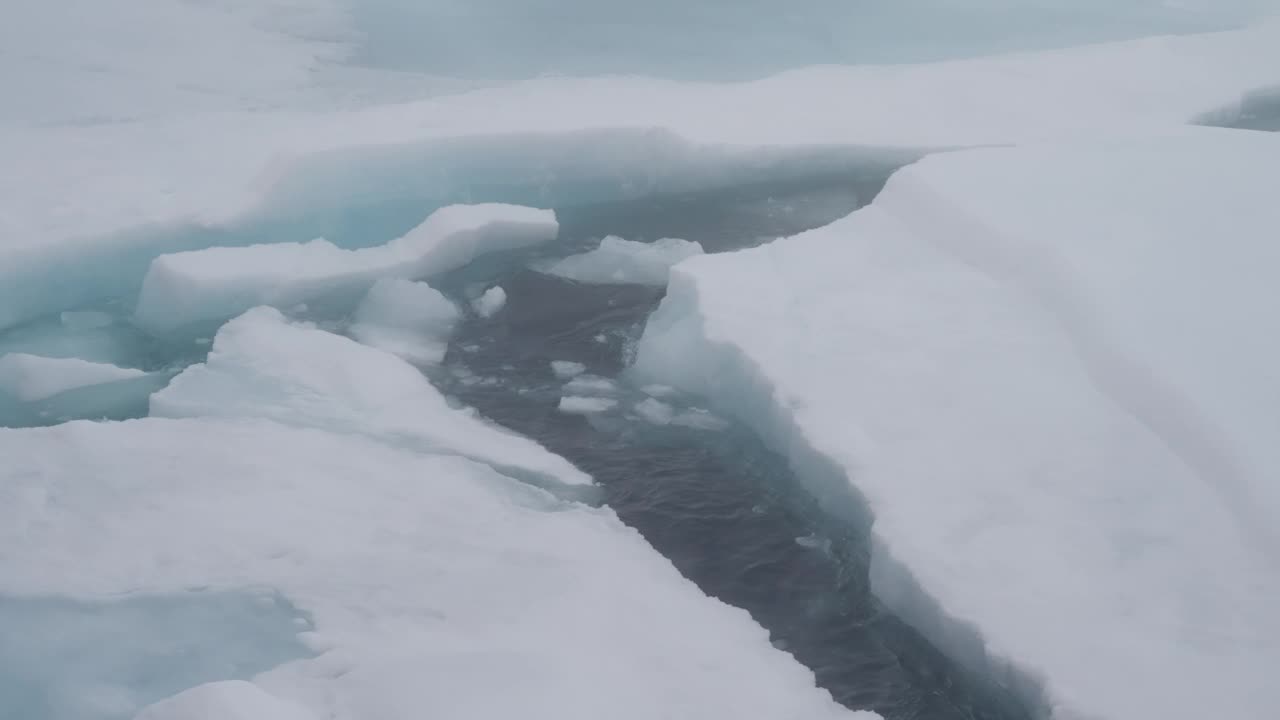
x=656, y=390
x=577, y=405
x=565, y=369
x=488, y=304
x=85, y=319
x=228, y=700
x=699, y=419
x=409, y=319
x=602, y=338
x=655, y=411
x=619, y=261
x=813, y=542
x=590, y=385
x=31, y=377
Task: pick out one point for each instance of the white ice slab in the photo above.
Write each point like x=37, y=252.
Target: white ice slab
x=584, y=405
x=1050, y=371
x=185, y=289
x=262, y=366
x=30, y=377
x=410, y=320
x=625, y=261
x=490, y=302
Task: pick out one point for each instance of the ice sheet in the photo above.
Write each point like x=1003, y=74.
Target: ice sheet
x=408, y=319
x=188, y=289
x=1048, y=372
x=263, y=366
x=618, y=261
x=431, y=580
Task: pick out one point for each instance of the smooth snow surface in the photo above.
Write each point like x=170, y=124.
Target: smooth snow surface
x=30, y=377
x=261, y=366
x=1050, y=371
x=489, y=303
x=185, y=289
x=624, y=261
x=408, y=319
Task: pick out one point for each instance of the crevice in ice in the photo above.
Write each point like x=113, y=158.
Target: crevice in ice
x=735, y=387
x=1259, y=110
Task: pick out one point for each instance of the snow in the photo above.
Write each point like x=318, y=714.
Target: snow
x=30, y=377
x=408, y=319
x=489, y=303
x=184, y=289
x=565, y=369
x=618, y=261
x=1047, y=372
x=227, y=700
x=261, y=366
x=580, y=405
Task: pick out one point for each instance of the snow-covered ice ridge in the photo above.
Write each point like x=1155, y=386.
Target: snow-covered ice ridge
x=1050, y=371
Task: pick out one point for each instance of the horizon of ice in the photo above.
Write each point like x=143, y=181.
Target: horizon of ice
x=618, y=261
x=1006, y=379
x=263, y=366
x=409, y=319
x=30, y=378
x=231, y=176
x=490, y=302
x=199, y=287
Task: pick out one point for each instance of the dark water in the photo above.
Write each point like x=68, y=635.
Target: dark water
x=726, y=511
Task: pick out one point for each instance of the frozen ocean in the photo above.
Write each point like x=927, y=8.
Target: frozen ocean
x=555, y=359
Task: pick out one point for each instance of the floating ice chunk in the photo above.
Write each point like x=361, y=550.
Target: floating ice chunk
x=262, y=366
x=658, y=390
x=30, y=377
x=204, y=286
x=655, y=411
x=1055, y=410
x=619, y=261
x=578, y=405
x=488, y=304
x=430, y=580
x=590, y=385
x=409, y=319
x=565, y=369
x=227, y=700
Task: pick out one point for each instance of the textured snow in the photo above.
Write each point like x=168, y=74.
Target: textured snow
x=581, y=405
x=489, y=303
x=261, y=366
x=408, y=319
x=227, y=700
x=1050, y=373
x=624, y=261
x=183, y=289
x=31, y=377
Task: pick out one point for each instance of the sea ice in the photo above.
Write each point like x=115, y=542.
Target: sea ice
x=579, y=405
x=262, y=366
x=619, y=261
x=565, y=369
x=489, y=303
x=431, y=580
x=1047, y=372
x=226, y=700
x=408, y=319
x=205, y=286
x=30, y=377
x=590, y=385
